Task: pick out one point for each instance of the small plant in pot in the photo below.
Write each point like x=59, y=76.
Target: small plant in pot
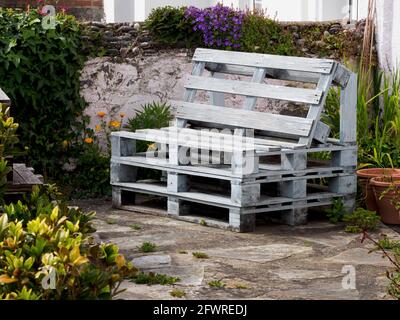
x=387, y=195
x=364, y=179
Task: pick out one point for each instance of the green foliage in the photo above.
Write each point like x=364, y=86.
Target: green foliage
x=216, y=284
x=86, y=174
x=153, y=115
x=337, y=211
x=44, y=237
x=177, y=293
x=361, y=220
x=135, y=227
x=386, y=243
x=331, y=115
x=264, y=35
x=8, y=133
x=168, y=26
x=147, y=247
x=200, y=255
x=40, y=72
x=154, y=278
x=378, y=126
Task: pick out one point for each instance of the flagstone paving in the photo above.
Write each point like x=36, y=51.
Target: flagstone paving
x=275, y=262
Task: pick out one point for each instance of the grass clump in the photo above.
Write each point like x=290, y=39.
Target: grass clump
x=216, y=284
x=177, y=293
x=154, y=278
x=135, y=227
x=200, y=255
x=147, y=247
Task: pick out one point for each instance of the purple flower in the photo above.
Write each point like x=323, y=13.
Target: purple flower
x=219, y=25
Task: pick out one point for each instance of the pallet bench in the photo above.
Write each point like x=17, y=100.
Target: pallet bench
x=242, y=160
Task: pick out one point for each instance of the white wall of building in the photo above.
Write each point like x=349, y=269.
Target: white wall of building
x=388, y=33
x=282, y=10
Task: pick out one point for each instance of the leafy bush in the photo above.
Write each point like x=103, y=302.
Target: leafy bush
x=40, y=70
x=220, y=26
x=43, y=238
x=264, y=35
x=361, y=220
x=168, y=26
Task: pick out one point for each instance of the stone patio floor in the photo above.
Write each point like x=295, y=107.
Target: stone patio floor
x=275, y=262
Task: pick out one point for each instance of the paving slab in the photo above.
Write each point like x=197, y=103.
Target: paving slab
x=360, y=256
x=275, y=262
x=152, y=261
x=260, y=254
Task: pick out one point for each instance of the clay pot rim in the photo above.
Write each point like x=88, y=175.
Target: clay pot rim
x=363, y=173
x=376, y=181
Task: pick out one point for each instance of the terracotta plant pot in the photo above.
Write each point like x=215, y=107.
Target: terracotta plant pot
x=364, y=177
x=386, y=197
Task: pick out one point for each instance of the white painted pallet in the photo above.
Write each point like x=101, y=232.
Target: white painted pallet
x=247, y=135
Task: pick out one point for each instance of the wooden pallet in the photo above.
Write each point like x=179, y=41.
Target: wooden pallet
x=247, y=149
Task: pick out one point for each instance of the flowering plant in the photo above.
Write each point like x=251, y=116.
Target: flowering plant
x=220, y=25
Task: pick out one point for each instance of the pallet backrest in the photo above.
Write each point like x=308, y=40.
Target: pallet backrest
x=322, y=72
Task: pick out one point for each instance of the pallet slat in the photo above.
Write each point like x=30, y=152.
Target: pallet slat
x=307, y=96
x=323, y=66
x=294, y=126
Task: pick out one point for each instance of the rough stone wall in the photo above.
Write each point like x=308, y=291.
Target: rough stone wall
x=114, y=87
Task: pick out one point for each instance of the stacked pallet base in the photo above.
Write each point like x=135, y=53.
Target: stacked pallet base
x=284, y=188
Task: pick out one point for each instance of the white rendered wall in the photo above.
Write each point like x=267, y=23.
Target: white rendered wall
x=119, y=10
x=388, y=33
x=282, y=10
x=144, y=7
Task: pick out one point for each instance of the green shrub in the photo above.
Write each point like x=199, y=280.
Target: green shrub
x=264, y=35
x=40, y=72
x=361, y=220
x=168, y=26
x=44, y=238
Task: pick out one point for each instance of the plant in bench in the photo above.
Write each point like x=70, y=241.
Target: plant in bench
x=153, y=115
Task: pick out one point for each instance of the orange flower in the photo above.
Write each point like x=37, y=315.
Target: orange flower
x=101, y=114
x=97, y=128
x=115, y=124
x=89, y=140
x=122, y=115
